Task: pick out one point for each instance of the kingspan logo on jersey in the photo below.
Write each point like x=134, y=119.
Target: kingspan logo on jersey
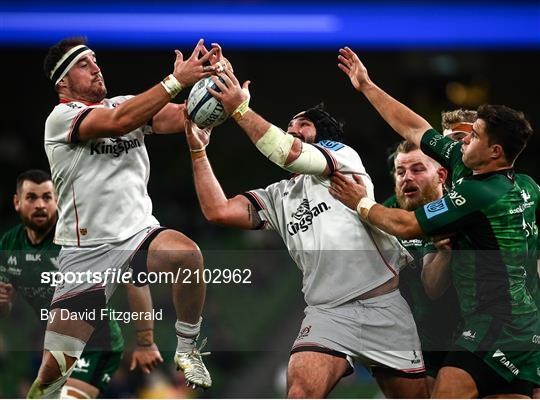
x=303, y=217
x=114, y=146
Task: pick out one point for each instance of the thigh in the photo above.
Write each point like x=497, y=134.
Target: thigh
x=398, y=385
x=314, y=374
x=452, y=383
x=467, y=375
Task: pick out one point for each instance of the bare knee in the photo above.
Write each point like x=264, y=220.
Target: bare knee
x=172, y=250
x=454, y=382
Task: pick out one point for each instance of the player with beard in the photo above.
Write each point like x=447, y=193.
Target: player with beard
x=28, y=251
x=100, y=169
x=354, y=310
x=484, y=208
x=425, y=283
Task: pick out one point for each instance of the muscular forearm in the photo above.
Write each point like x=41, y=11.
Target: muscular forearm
x=140, y=109
x=402, y=119
x=236, y=212
x=170, y=119
x=394, y=221
x=211, y=197
x=436, y=274
x=254, y=125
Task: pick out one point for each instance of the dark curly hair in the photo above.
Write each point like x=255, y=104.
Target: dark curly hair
x=506, y=127
x=56, y=52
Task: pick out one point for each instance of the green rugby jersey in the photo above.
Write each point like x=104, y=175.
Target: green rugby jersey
x=21, y=264
x=530, y=192
x=436, y=320
x=486, y=210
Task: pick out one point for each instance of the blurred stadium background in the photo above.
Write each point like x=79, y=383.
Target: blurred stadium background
x=432, y=56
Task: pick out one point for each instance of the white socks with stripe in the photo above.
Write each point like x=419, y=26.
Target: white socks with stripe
x=187, y=335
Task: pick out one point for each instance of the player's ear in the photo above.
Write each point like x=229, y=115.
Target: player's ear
x=16, y=202
x=62, y=83
x=442, y=173
x=497, y=151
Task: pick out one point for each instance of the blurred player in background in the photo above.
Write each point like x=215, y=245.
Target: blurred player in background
x=426, y=283
x=457, y=124
x=350, y=271
x=100, y=169
x=28, y=251
x=485, y=209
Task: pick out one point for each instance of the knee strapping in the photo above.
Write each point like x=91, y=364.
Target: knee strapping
x=68, y=390
x=61, y=346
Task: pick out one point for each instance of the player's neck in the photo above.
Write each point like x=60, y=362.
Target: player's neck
x=490, y=168
x=63, y=98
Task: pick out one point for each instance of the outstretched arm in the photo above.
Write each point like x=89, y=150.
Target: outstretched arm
x=281, y=148
x=237, y=212
x=402, y=119
x=137, y=111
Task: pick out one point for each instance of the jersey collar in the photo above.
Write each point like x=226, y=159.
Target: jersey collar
x=509, y=173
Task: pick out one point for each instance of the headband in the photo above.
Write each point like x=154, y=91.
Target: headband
x=465, y=127
x=67, y=61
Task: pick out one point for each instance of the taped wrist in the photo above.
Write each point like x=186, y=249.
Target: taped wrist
x=239, y=112
x=363, y=207
x=172, y=85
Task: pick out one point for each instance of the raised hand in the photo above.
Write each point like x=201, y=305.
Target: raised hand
x=232, y=94
x=218, y=60
x=353, y=68
x=196, y=137
x=189, y=71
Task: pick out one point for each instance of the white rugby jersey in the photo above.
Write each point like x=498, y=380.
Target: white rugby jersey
x=340, y=257
x=101, y=184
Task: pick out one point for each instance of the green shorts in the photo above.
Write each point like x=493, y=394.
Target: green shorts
x=511, y=348
x=97, y=367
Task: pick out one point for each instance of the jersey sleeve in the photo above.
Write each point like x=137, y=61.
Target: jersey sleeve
x=263, y=202
x=63, y=124
x=445, y=151
x=456, y=209
x=340, y=157
x=346, y=160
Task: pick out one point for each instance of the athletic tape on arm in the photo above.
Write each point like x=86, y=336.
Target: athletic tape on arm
x=276, y=145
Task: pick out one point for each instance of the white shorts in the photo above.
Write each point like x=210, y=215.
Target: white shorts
x=376, y=332
x=84, y=268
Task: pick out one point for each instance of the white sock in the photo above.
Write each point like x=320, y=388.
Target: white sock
x=187, y=334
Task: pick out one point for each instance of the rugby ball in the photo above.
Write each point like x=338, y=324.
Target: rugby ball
x=203, y=108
